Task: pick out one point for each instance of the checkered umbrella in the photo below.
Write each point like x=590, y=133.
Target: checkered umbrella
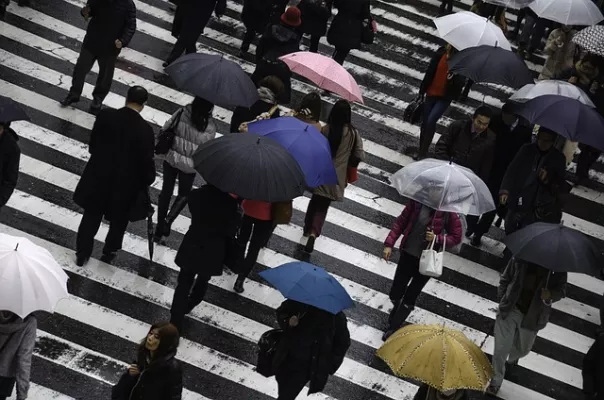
x=591, y=39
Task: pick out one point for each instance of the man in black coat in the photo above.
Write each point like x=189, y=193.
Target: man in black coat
x=346, y=30
x=10, y=155
x=315, y=15
x=112, y=25
x=256, y=15
x=116, y=180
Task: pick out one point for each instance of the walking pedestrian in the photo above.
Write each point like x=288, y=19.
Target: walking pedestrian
x=426, y=392
x=314, y=345
x=270, y=89
x=593, y=369
x=190, y=20
x=446, y=7
x=309, y=110
x=17, y=341
x=511, y=133
x=10, y=157
x=117, y=177
x=586, y=159
x=531, y=185
x=526, y=294
x=560, y=52
x=193, y=126
x=439, y=88
x=346, y=147
x=281, y=38
x=315, y=14
x=111, y=27
x=533, y=31
x=520, y=16
x=419, y=225
x=215, y=219
x=155, y=375
x=346, y=28
x=256, y=16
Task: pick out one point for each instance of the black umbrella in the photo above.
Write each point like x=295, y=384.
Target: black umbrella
x=555, y=247
x=11, y=111
x=251, y=166
x=489, y=64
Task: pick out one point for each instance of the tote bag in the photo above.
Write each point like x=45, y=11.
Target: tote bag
x=431, y=261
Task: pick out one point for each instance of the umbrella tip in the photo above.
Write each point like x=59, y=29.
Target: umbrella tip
x=17, y=246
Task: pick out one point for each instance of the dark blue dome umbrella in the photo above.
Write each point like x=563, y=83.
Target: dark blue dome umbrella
x=309, y=284
x=305, y=143
x=11, y=111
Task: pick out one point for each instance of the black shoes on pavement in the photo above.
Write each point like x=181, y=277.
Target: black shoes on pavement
x=310, y=244
x=238, y=287
x=108, y=257
x=81, y=260
x=69, y=100
x=95, y=107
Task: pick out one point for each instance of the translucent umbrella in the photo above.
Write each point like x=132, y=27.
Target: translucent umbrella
x=30, y=278
x=466, y=29
x=551, y=87
x=568, y=12
x=444, y=186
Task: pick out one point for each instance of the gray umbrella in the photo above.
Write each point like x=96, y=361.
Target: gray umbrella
x=591, y=39
x=212, y=77
x=251, y=166
x=555, y=247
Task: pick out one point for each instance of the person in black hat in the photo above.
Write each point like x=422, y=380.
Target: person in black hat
x=281, y=38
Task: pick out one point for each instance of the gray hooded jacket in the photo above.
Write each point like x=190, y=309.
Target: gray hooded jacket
x=17, y=340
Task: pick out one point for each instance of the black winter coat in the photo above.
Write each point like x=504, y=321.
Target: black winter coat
x=315, y=14
x=215, y=218
x=455, y=83
x=110, y=20
x=593, y=370
x=243, y=114
x=317, y=344
x=10, y=155
x=121, y=165
x=257, y=14
x=347, y=26
x=423, y=391
x=279, y=69
x=278, y=40
x=192, y=16
x=161, y=380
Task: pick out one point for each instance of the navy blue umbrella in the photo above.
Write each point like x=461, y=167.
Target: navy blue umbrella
x=567, y=117
x=11, y=111
x=220, y=81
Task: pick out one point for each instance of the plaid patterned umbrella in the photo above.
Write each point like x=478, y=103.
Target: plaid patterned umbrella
x=591, y=39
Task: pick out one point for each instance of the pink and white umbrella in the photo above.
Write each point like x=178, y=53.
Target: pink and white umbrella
x=325, y=73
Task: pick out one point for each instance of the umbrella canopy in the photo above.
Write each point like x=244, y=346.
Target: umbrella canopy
x=30, y=278
x=444, y=186
x=567, y=117
x=437, y=356
x=220, y=81
x=325, y=73
x=515, y=4
x=305, y=143
x=309, y=284
x=251, y=166
x=551, y=87
x=591, y=39
x=568, y=12
x=467, y=29
x=555, y=247
x=491, y=65
x=11, y=111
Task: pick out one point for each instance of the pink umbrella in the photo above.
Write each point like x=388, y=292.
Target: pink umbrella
x=325, y=73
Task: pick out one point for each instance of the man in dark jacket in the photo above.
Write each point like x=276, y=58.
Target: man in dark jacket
x=593, y=370
x=511, y=133
x=111, y=28
x=10, y=155
x=346, y=30
x=315, y=14
x=116, y=180
x=256, y=15
x=282, y=38
x=531, y=185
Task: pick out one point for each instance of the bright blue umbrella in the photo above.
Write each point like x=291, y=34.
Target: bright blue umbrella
x=309, y=284
x=305, y=143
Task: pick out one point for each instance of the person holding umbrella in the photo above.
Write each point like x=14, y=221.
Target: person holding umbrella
x=10, y=156
x=309, y=110
x=560, y=51
x=17, y=341
x=270, y=89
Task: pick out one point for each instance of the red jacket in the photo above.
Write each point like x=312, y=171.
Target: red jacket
x=404, y=222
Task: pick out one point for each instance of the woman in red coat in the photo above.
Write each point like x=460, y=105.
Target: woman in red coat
x=419, y=225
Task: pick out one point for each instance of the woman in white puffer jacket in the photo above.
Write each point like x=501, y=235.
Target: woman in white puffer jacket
x=195, y=127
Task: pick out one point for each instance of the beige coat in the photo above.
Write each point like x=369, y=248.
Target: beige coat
x=340, y=161
x=560, y=50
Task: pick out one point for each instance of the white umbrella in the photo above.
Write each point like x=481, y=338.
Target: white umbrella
x=444, y=186
x=467, y=29
x=568, y=12
x=515, y=4
x=555, y=87
x=30, y=278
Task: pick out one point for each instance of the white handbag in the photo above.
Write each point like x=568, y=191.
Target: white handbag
x=431, y=261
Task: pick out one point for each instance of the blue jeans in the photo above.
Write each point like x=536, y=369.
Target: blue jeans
x=434, y=108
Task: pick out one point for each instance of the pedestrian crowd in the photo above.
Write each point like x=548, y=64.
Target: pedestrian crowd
x=507, y=164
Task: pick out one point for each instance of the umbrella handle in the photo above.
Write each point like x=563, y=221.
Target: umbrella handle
x=547, y=302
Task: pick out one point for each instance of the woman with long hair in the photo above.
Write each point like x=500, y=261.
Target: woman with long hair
x=193, y=126
x=346, y=151
x=155, y=375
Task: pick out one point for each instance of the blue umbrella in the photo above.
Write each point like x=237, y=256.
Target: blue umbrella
x=309, y=284
x=567, y=117
x=305, y=143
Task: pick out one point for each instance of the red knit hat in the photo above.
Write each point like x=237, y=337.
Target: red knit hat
x=291, y=17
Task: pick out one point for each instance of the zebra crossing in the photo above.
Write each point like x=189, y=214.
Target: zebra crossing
x=87, y=343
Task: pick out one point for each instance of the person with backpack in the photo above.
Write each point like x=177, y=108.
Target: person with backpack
x=191, y=126
x=17, y=341
x=281, y=38
x=419, y=225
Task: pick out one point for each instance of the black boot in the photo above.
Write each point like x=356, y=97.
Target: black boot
x=96, y=105
x=108, y=257
x=238, y=287
x=177, y=207
x=69, y=100
x=81, y=260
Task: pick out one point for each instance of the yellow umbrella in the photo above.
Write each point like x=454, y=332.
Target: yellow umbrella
x=437, y=356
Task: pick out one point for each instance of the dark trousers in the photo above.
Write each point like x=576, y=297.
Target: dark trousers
x=190, y=291
x=532, y=33
x=448, y=4
x=260, y=232
x=89, y=226
x=290, y=383
x=314, y=45
x=434, y=108
x=184, y=44
x=249, y=36
x=315, y=215
x=185, y=184
x=519, y=18
x=586, y=159
x=467, y=88
x=339, y=55
x=82, y=68
x=407, y=270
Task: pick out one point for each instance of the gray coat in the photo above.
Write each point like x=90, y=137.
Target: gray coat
x=17, y=340
x=186, y=141
x=510, y=287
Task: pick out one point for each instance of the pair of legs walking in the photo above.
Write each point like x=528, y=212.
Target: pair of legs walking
x=434, y=108
x=190, y=292
x=316, y=213
x=89, y=226
x=339, y=55
x=185, y=184
x=257, y=232
x=292, y=379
